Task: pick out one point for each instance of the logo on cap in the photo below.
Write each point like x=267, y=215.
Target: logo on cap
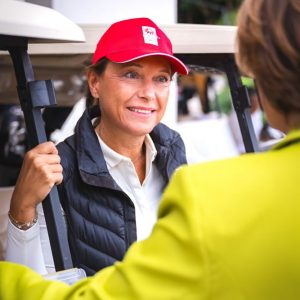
x=149, y=34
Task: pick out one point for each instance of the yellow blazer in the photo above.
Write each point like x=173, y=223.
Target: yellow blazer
x=226, y=230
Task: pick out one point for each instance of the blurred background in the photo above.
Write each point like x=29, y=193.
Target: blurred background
x=200, y=105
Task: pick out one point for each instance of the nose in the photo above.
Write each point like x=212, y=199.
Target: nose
x=147, y=90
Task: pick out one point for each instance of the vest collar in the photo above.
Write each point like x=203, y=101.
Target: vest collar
x=89, y=153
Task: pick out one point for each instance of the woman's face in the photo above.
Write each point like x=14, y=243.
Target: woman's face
x=132, y=96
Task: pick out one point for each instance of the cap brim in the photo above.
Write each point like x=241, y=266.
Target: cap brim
x=178, y=65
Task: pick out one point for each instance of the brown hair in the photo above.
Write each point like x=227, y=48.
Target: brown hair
x=268, y=41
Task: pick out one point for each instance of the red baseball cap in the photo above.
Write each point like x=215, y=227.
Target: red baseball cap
x=131, y=39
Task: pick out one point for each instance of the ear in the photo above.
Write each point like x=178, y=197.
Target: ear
x=93, y=80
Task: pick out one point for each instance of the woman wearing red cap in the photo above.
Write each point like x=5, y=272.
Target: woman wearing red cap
x=229, y=229
x=112, y=171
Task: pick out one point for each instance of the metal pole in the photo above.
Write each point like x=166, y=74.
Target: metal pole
x=242, y=105
x=32, y=95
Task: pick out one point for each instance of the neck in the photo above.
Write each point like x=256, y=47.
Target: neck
x=140, y=164
x=292, y=122
x=287, y=122
x=129, y=146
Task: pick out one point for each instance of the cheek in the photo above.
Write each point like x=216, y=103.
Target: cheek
x=273, y=116
x=165, y=101
x=264, y=105
x=119, y=93
x=164, y=105
x=163, y=98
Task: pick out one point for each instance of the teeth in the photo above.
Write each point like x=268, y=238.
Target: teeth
x=142, y=111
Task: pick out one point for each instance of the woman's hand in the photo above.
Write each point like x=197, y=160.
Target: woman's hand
x=41, y=170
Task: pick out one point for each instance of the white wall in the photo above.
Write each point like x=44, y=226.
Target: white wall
x=109, y=11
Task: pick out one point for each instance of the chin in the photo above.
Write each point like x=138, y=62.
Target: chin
x=141, y=131
x=142, y=128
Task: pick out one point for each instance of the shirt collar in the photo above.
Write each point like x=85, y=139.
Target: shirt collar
x=113, y=158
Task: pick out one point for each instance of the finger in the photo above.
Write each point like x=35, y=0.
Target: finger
x=47, y=159
x=59, y=179
x=54, y=178
x=55, y=168
x=45, y=148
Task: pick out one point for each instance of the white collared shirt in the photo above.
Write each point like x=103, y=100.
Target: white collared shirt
x=32, y=247
x=145, y=196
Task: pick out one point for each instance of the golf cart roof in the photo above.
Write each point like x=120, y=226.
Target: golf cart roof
x=37, y=23
x=186, y=38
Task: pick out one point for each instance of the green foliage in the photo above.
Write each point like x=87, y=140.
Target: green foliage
x=248, y=82
x=208, y=12
x=222, y=102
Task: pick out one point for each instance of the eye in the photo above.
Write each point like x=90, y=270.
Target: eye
x=131, y=75
x=163, y=79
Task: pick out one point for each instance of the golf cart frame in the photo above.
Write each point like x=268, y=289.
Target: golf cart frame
x=201, y=47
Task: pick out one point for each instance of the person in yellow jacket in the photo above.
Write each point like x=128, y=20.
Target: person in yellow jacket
x=226, y=229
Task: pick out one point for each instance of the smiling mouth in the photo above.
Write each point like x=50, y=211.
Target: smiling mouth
x=141, y=111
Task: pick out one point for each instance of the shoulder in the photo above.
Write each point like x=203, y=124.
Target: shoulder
x=210, y=183
x=221, y=172
x=169, y=144
x=67, y=153
x=162, y=134
x=66, y=147
x=231, y=188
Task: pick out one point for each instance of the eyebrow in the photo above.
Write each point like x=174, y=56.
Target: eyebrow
x=134, y=64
